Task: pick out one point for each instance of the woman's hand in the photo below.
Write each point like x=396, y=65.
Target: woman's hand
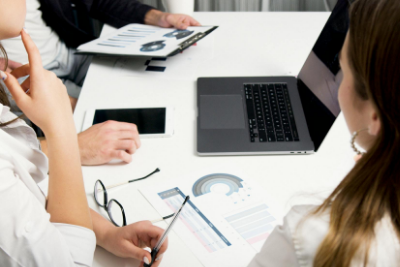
x=129, y=241
x=12, y=65
x=42, y=97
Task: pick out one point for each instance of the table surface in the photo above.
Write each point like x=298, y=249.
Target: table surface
x=245, y=44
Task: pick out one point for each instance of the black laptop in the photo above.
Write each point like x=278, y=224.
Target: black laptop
x=275, y=115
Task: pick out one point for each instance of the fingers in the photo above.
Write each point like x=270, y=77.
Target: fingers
x=122, y=155
x=13, y=65
x=186, y=21
x=122, y=126
x=127, y=135
x=127, y=145
x=15, y=88
x=21, y=71
x=150, y=235
x=139, y=254
x=194, y=22
x=124, y=131
x=182, y=24
x=35, y=60
x=26, y=84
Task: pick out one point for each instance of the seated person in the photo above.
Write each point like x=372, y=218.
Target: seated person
x=52, y=26
x=358, y=224
x=60, y=230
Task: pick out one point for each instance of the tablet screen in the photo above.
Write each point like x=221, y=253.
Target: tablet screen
x=148, y=120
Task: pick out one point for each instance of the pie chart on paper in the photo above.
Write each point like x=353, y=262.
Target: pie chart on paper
x=221, y=183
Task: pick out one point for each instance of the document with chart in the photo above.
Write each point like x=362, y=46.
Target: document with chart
x=227, y=219
x=146, y=40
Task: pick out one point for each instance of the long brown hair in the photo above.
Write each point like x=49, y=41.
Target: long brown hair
x=3, y=95
x=372, y=188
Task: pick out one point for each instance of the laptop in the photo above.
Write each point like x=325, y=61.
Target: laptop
x=275, y=115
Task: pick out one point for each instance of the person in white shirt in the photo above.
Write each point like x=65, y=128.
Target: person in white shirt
x=103, y=142
x=60, y=230
x=359, y=223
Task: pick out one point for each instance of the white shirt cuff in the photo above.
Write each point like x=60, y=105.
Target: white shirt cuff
x=81, y=242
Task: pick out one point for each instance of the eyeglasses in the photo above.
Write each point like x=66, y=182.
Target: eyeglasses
x=114, y=209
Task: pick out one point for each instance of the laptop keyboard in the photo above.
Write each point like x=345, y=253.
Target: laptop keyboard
x=270, y=113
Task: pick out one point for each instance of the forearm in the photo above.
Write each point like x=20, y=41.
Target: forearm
x=101, y=228
x=67, y=201
x=43, y=145
x=153, y=17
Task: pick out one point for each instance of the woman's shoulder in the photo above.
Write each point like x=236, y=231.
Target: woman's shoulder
x=307, y=230
x=304, y=215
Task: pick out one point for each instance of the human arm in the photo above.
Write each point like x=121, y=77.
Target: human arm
x=27, y=237
x=48, y=107
x=106, y=141
x=168, y=20
x=136, y=12
x=128, y=241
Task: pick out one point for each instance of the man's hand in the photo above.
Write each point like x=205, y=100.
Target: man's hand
x=108, y=140
x=129, y=241
x=168, y=20
x=12, y=65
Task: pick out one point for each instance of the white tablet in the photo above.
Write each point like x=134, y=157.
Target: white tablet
x=151, y=122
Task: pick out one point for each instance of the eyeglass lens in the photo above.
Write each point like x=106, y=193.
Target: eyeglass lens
x=115, y=213
x=99, y=193
x=114, y=210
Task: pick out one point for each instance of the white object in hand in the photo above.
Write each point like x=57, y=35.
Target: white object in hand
x=179, y=6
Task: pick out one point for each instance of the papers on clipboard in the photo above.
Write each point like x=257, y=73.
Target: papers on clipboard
x=145, y=40
x=227, y=219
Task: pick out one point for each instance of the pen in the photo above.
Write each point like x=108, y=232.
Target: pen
x=162, y=218
x=157, y=247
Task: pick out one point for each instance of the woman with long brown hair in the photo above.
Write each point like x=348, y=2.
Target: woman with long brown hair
x=359, y=223
x=60, y=230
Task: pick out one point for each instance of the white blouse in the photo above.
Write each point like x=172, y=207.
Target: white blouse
x=296, y=242
x=27, y=237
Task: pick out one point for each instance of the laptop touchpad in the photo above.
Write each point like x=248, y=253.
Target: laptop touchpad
x=221, y=112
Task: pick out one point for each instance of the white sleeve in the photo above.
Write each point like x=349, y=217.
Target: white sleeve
x=278, y=249
x=27, y=237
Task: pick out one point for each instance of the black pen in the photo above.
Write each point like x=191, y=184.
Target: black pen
x=157, y=247
x=163, y=218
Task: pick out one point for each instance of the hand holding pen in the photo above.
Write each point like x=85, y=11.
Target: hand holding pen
x=126, y=241
x=129, y=241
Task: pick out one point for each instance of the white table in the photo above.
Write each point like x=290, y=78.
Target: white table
x=245, y=44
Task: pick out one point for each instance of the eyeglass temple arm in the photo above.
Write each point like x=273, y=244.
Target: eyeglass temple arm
x=130, y=181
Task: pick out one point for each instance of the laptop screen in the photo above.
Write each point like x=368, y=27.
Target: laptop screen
x=319, y=79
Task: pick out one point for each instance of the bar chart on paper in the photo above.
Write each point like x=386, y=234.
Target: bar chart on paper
x=198, y=224
x=227, y=219
x=254, y=223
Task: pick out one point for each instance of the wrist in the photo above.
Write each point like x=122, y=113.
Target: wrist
x=154, y=17
x=106, y=236
x=60, y=129
x=82, y=150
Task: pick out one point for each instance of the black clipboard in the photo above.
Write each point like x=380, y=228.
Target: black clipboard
x=122, y=42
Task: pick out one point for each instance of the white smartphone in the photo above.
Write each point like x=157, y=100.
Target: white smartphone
x=151, y=121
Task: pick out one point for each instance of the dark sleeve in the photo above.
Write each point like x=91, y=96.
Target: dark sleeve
x=70, y=19
x=117, y=13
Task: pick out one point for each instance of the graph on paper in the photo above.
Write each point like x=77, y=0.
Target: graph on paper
x=227, y=219
x=254, y=224
x=145, y=40
x=197, y=223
